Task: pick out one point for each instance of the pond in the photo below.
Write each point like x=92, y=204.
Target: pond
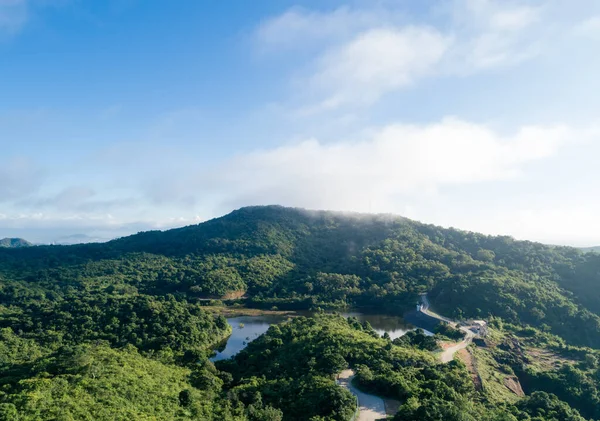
x=247, y=328
x=395, y=326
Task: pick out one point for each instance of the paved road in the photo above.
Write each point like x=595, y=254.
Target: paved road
x=371, y=407
x=448, y=354
x=425, y=309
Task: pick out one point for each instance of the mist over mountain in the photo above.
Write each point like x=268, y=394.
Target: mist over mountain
x=14, y=243
x=590, y=249
x=71, y=239
x=294, y=258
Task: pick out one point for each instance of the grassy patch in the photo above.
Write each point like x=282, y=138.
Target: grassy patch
x=244, y=311
x=545, y=360
x=493, y=377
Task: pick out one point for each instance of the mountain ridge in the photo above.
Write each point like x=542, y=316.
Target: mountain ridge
x=295, y=258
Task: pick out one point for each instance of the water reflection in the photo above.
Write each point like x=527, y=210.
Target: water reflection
x=394, y=326
x=248, y=328
x=245, y=330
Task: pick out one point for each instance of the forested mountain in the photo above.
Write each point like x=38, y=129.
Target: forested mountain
x=293, y=258
x=80, y=322
x=14, y=243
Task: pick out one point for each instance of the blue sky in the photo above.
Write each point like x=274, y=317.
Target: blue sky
x=120, y=116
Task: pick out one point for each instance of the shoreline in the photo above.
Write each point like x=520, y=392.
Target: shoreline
x=229, y=311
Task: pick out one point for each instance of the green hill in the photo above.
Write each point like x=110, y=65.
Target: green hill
x=14, y=243
x=293, y=258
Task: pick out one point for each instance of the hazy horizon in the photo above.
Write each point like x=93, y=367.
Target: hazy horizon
x=123, y=116
x=60, y=238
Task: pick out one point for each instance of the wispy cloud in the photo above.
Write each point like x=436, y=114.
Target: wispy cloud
x=19, y=178
x=13, y=15
x=300, y=28
x=370, y=173
x=387, y=169
x=362, y=54
x=376, y=62
x=589, y=27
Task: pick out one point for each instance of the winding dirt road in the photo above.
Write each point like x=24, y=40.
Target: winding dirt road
x=371, y=407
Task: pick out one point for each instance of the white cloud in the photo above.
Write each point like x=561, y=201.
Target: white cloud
x=376, y=62
x=370, y=175
x=573, y=224
x=495, y=33
x=589, y=27
x=365, y=53
x=515, y=19
x=298, y=27
x=494, y=15
x=19, y=178
x=400, y=168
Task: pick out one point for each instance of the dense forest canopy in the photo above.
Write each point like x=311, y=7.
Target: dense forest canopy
x=293, y=258
x=308, y=350
x=89, y=331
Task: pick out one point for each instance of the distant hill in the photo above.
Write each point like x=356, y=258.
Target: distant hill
x=590, y=249
x=68, y=240
x=14, y=243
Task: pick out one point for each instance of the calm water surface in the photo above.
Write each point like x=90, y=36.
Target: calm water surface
x=395, y=326
x=245, y=329
x=248, y=328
